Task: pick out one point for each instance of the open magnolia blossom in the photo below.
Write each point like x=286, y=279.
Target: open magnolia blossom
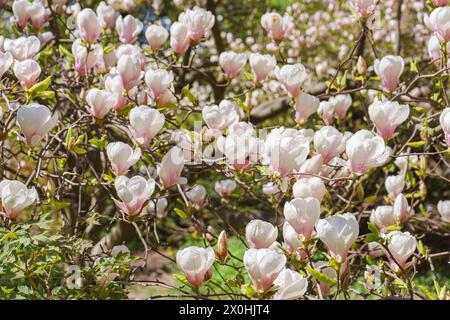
x=23, y=48
x=170, y=168
x=387, y=116
x=6, y=60
x=88, y=25
x=437, y=22
x=134, y=193
x=389, y=69
x=338, y=233
x=305, y=106
x=145, y=123
x=35, y=122
x=225, y=187
x=364, y=8
x=156, y=36
x=383, y=217
x=220, y=117
x=197, y=195
x=292, y=77
x=260, y=234
x=27, y=72
x=84, y=60
x=329, y=143
x=262, y=66
x=276, y=26
x=198, y=21
x=443, y=207
x=291, y=285
x=263, y=266
x=309, y=187
x=302, y=215
x=445, y=124
x=232, y=63
x=401, y=246
x=341, y=103
x=16, y=197
x=100, y=102
x=128, y=28
x=394, y=185
x=122, y=156
x=196, y=264
x=106, y=15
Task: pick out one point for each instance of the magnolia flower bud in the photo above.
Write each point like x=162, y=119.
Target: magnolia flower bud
x=260, y=234
x=85, y=61
x=232, y=63
x=134, y=193
x=361, y=66
x=309, y=187
x=338, y=233
x=6, y=60
x=444, y=120
x=156, y=36
x=401, y=245
x=292, y=76
x=159, y=82
x=88, y=25
x=263, y=266
x=129, y=69
x=198, y=21
x=387, y=116
x=21, y=12
x=23, y=48
x=35, y=121
x=197, y=195
x=170, y=168
x=293, y=241
x=389, y=69
x=329, y=142
x=341, y=103
x=145, y=123
x=225, y=187
x=302, y=215
x=106, y=15
x=196, y=263
x=222, y=246
x=394, y=185
x=443, y=207
x=364, y=8
x=291, y=285
x=27, y=72
x=179, y=37
x=128, y=28
x=16, y=197
x=402, y=211
x=438, y=22
x=122, y=156
x=383, y=217
x=305, y=106
x=326, y=112
x=262, y=66
x=100, y=102
x=278, y=27
x=366, y=150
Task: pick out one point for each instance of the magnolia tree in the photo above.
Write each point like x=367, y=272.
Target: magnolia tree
x=300, y=152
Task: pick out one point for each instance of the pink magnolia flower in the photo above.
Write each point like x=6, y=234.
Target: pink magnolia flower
x=383, y=217
x=6, y=60
x=134, y=193
x=438, y=22
x=444, y=120
x=128, y=28
x=198, y=21
x=21, y=12
x=387, y=116
x=291, y=285
x=262, y=66
x=263, y=266
x=159, y=82
x=170, y=168
x=145, y=123
x=302, y=215
x=35, y=121
x=156, y=36
x=364, y=8
x=100, y=102
x=401, y=245
x=23, y=48
x=129, y=69
x=16, y=197
x=305, y=106
x=341, y=103
x=389, y=69
x=122, y=156
x=329, y=142
x=85, y=61
x=232, y=63
x=114, y=85
x=197, y=195
x=278, y=27
x=292, y=76
x=88, y=25
x=309, y=187
x=27, y=72
x=225, y=187
x=106, y=15
x=196, y=264
x=179, y=37
x=260, y=234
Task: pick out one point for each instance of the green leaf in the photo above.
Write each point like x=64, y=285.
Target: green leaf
x=63, y=51
x=373, y=228
x=372, y=238
x=416, y=144
x=320, y=276
x=393, y=228
x=79, y=150
x=181, y=213
x=41, y=86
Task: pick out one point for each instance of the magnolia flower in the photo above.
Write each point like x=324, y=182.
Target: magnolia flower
x=278, y=27
x=225, y=187
x=402, y=211
x=218, y=118
x=23, y=48
x=338, y=233
x=263, y=266
x=325, y=269
x=364, y=8
x=100, y=102
x=389, y=69
x=341, y=103
x=170, y=168
x=179, y=37
x=156, y=36
x=434, y=49
x=401, y=245
x=88, y=25
x=387, y=116
x=46, y=37
x=84, y=60
x=326, y=112
x=145, y=123
x=443, y=207
x=383, y=217
x=438, y=22
x=21, y=12
x=293, y=242
x=292, y=76
x=394, y=185
x=134, y=193
x=232, y=63
x=158, y=207
x=309, y=187
x=196, y=264
x=27, y=72
x=270, y=189
x=16, y=197
x=291, y=285
x=6, y=60
x=114, y=85
x=285, y=150
x=197, y=195
x=260, y=234
x=302, y=215
x=39, y=14
x=262, y=65
x=198, y=21
x=329, y=142
x=106, y=15
x=122, y=156
x=128, y=28
x=444, y=119
x=131, y=50
x=159, y=82
x=305, y=106
x=404, y=161
x=35, y=121
x=310, y=167
x=440, y=3
x=129, y=69
x=366, y=150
